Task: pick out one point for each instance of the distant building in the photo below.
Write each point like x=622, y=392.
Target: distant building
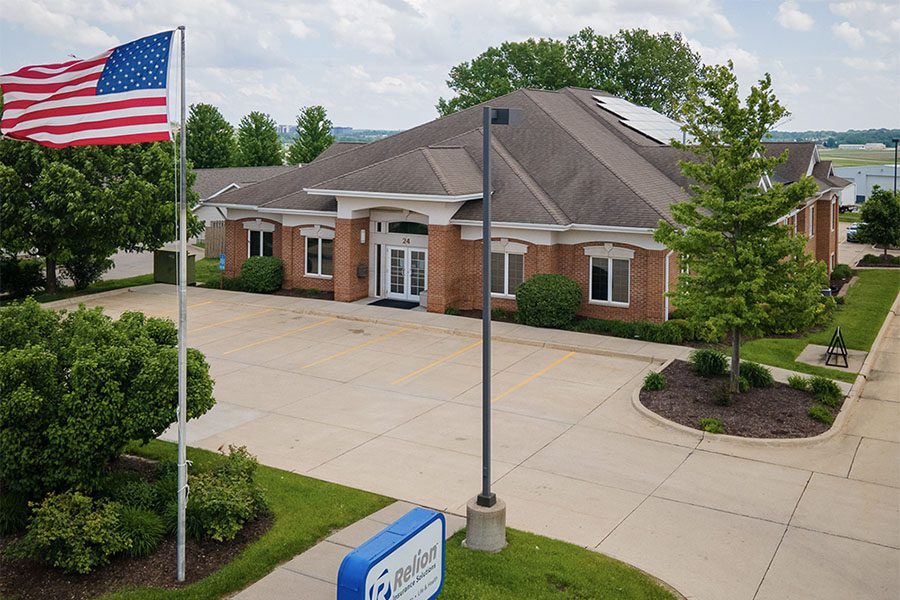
x=874, y=146
x=851, y=146
x=866, y=177
x=337, y=130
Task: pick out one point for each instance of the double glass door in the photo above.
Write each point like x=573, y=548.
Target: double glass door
x=407, y=272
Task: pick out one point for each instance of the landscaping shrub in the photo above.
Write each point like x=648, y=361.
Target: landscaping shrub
x=144, y=528
x=798, y=382
x=825, y=391
x=76, y=387
x=709, y=363
x=712, y=426
x=20, y=277
x=842, y=271
x=234, y=284
x=85, y=270
x=673, y=331
x=743, y=384
x=756, y=375
x=73, y=532
x=503, y=314
x=654, y=381
x=452, y=310
x=722, y=395
x=548, y=300
x=821, y=413
x=13, y=513
x=262, y=274
x=135, y=493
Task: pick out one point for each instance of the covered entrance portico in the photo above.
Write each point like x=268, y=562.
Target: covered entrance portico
x=398, y=254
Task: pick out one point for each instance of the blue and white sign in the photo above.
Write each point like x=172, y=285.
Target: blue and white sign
x=222, y=261
x=403, y=562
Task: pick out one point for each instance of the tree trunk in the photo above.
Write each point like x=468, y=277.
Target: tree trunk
x=50, y=267
x=735, y=360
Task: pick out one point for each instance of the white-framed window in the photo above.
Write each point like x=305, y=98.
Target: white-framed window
x=810, y=215
x=319, y=253
x=507, y=273
x=833, y=213
x=831, y=262
x=259, y=243
x=609, y=275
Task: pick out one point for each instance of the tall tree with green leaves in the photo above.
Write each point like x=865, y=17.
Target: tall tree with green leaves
x=258, y=143
x=645, y=68
x=210, y=138
x=313, y=135
x=76, y=207
x=748, y=274
x=880, y=215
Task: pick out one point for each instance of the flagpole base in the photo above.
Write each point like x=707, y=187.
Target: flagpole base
x=485, y=526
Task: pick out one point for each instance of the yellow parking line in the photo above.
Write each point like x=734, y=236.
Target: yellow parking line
x=435, y=363
x=357, y=347
x=273, y=338
x=531, y=378
x=241, y=318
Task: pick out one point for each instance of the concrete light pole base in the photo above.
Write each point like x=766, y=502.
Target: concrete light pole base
x=485, y=526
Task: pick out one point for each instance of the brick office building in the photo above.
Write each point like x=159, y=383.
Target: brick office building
x=578, y=188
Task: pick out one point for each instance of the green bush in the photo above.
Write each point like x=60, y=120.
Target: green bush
x=709, y=363
x=452, y=310
x=743, y=384
x=654, y=381
x=548, y=301
x=13, y=513
x=135, y=493
x=821, y=413
x=20, y=277
x=262, y=274
x=144, y=528
x=826, y=391
x=712, y=426
x=503, y=314
x=674, y=331
x=73, y=532
x=842, y=271
x=757, y=375
x=76, y=387
x=85, y=270
x=722, y=395
x=798, y=382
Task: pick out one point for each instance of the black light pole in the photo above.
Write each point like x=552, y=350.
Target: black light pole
x=896, y=141
x=491, y=116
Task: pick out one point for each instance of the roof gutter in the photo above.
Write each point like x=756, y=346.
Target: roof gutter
x=570, y=227
x=393, y=195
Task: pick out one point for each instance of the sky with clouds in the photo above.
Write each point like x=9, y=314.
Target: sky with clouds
x=383, y=63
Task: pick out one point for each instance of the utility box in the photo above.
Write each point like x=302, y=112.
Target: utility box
x=165, y=267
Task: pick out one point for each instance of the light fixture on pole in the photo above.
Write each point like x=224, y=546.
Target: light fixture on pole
x=485, y=514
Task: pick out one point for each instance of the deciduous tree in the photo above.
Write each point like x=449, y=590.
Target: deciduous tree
x=880, y=215
x=748, y=274
x=313, y=135
x=210, y=138
x=258, y=143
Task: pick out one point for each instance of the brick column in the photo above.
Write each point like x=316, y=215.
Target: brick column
x=235, y=247
x=348, y=255
x=446, y=267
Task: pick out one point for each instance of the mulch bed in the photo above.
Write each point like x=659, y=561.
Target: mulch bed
x=306, y=293
x=880, y=263
x=31, y=580
x=776, y=412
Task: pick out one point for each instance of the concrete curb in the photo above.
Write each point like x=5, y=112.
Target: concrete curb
x=850, y=403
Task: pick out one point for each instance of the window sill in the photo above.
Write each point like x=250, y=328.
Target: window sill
x=612, y=304
x=503, y=296
x=317, y=276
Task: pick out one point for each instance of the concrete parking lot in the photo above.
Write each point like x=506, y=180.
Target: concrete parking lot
x=389, y=401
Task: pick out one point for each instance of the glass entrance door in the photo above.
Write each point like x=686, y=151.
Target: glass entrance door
x=407, y=273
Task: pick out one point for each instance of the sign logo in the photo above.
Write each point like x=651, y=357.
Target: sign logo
x=403, y=562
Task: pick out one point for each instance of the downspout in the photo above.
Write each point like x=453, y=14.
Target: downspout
x=666, y=292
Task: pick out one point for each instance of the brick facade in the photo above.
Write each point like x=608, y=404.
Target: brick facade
x=349, y=255
x=448, y=276
x=294, y=257
x=236, y=244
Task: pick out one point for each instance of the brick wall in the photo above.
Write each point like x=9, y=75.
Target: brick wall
x=447, y=274
x=294, y=256
x=826, y=239
x=236, y=251
x=348, y=255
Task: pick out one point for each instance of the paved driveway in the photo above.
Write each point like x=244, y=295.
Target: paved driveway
x=388, y=401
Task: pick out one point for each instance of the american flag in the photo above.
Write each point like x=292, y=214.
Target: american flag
x=118, y=97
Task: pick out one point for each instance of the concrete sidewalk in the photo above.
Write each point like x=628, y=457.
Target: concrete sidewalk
x=336, y=391
x=313, y=574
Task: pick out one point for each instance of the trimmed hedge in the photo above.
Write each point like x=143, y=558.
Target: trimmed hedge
x=548, y=300
x=262, y=274
x=673, y=331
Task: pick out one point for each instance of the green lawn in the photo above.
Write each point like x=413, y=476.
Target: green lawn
x=306, y=510
x=207, y=272
x=852, y=217
x=860, y=318
x=535, y=567
x=96, y=288
x=854, y=158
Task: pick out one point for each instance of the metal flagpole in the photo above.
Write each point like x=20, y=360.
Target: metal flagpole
x=182, y=329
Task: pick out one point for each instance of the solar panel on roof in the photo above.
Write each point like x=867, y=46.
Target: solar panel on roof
x=642, y=119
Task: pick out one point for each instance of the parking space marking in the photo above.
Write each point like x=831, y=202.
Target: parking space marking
x=439, y=361
x=278, y=337
x=225, y=322
x=357, y=347
x=531, y=378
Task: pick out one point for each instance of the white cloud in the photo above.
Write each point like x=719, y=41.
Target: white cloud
x=404, y=85
x=871, y=64
x=791, y=17
x=879, y=20
x=850, y=34
x=744, y=60
x=65, y=31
